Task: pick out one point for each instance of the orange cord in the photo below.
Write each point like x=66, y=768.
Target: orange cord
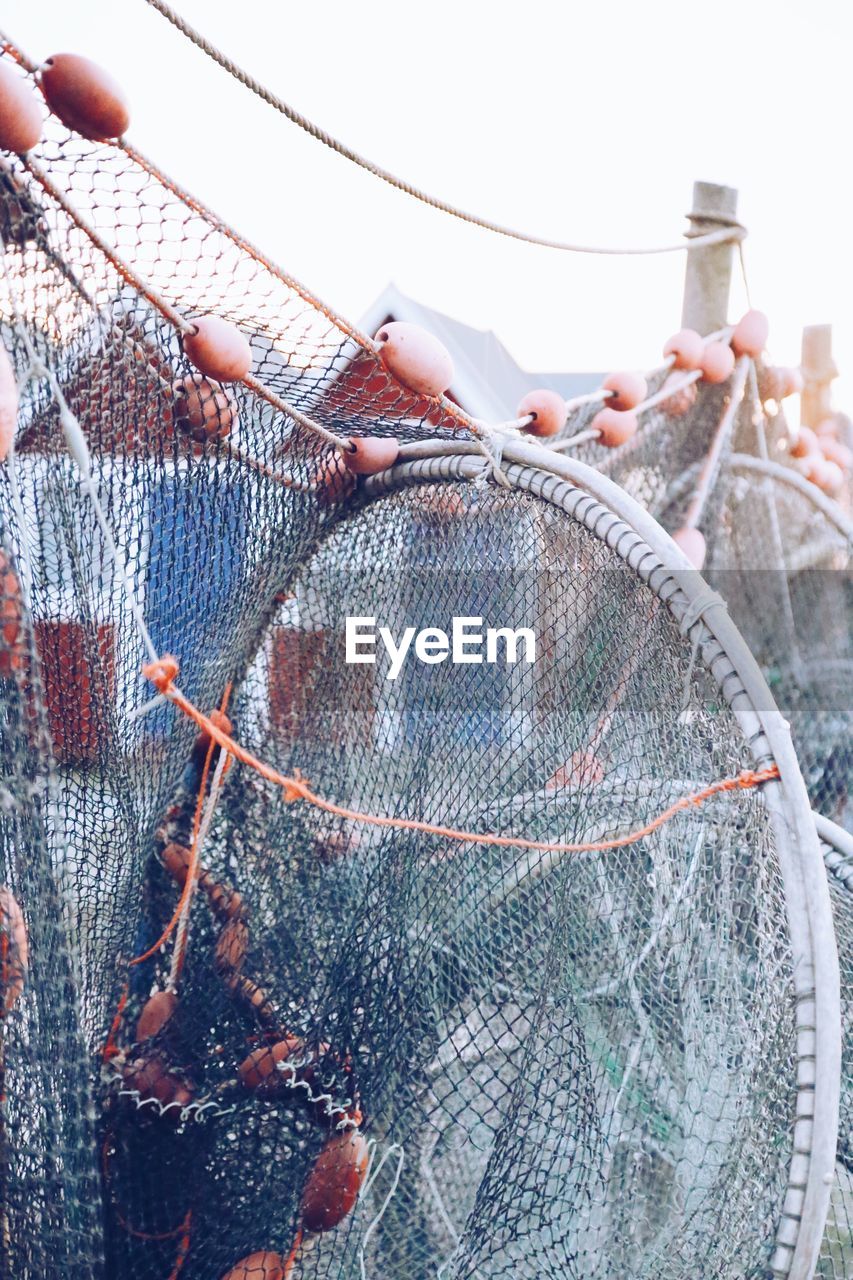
x=159, y=1237
x=111, y=1048
x=290, y=1260
x=192, y=871
x=183, y=1247
x=162, y=675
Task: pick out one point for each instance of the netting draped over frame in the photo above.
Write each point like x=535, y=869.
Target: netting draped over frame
x=50, y=1214
x=565, y=1062
x=836, y=1258
x=782, y=558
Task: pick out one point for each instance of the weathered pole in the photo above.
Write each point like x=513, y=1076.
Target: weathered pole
x=708, y=276
x=818, y=369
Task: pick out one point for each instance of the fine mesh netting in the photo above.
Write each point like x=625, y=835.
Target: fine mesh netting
x=836, y=1259
x=50, y=1219
x=779, y=553
x=562, y=1063
x=781, y=557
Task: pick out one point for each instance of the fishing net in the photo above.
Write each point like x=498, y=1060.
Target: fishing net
x=836, y=1258
x=557, y=1061
x=779, y=552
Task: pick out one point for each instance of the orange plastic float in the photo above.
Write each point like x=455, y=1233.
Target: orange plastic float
x=258, y=1266
x=13, y=652
x=13, y=930
x=614, y=426
x=334, y=1183
x=415, y=358
x=20, y=113
x=218, y=349
x=630, y=390
x=370, y=454
x=692, y=543
x=827, y=475
x=682, y=399
x=259, y=1071
x=687, y=346
x=775, y=382
x=153, y=1079
x=835, y=451
x=549, y=410
x=717, y=362
x=8, y=401
x=750, y=334
x=156, y=1012
x=804, y=444
x=828, y=428
x=791, y=382
x=203, y=409
x=85, y=97
x=333, y=481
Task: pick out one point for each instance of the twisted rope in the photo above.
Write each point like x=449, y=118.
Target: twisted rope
x=163, y=674
x=729, y=234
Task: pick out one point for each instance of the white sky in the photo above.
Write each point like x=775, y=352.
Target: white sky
x=586, y=121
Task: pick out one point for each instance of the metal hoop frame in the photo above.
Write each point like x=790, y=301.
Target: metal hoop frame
x=787, y=475
x=611, y=515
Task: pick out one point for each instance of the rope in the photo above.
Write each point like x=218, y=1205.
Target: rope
x=182, y=908
x=730, y=233
x=710, y=466
x=201, y=826
x=162, y=674
x=179, y=321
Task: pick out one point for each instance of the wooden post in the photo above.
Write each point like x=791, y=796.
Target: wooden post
x=708, y=276
x=818, y=370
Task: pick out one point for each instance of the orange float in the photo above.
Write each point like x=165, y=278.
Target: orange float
x=682, y=399
x=13, y=931
x=368, y=455
x=153, y=1079
x=415, y=358
x=791, y=382
x=8, y=402
x=156, y=1012
x=686, y=346
x=13, y=651
x=750, y=334
x=692, y=543
x=332, y=1187
x=836, y=452
x=333, y=480
x=259, y=1071
x=549, y=410
x=717, y=362
x=614, y=427
x=203, y=409
x=20, y=113
x=804, y=444
x=630, y=389
x=827, y=475
x=85, y=97
x=258, y=1266
x=218, y=349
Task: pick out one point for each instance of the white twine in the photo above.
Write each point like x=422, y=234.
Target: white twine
x=79, y=451
x=385, y=1203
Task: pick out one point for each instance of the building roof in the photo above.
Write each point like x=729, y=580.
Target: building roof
x=488, y=383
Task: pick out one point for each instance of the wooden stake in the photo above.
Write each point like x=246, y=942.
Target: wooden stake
x=708, y=275
x=818, y=369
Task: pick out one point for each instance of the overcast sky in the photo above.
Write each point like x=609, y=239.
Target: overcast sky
x=586, y=121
